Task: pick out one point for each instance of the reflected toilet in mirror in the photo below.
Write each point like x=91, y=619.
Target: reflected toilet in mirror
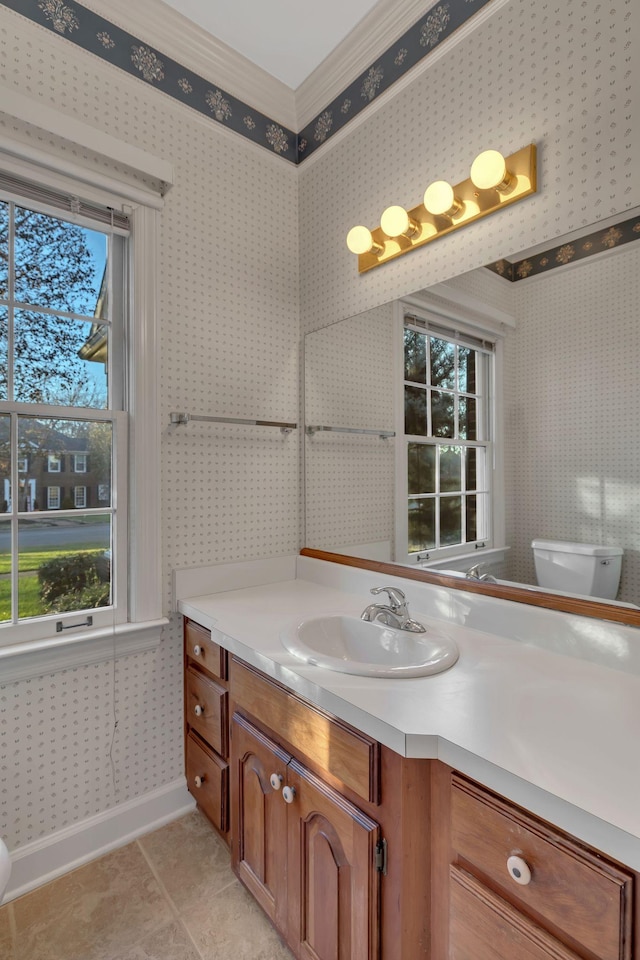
x=585, y=569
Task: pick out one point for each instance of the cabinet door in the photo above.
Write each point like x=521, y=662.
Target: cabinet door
x=259, y=817
x=483, y=926
x=333, y=886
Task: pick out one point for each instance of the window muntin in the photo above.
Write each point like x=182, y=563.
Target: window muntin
x=58, y=312
x=446, y=424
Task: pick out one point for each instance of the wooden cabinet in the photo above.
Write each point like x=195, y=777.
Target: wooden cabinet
x=515, y=883
x=304, y=851
x=206, y=699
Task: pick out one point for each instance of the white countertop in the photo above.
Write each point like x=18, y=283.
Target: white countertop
x=555, y=733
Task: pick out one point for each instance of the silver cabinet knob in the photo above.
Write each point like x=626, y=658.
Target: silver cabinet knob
x=519, y=870
x=199, y=781
x=198, y=710
x=275, y=780
x=288, y=794
x=197, y=650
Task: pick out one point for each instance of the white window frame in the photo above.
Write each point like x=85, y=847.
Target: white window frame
x=80, y=494
x=79, y=458
x=29, y=655
x=23, y=464
x=53, y=499
x=456, y=317
x=54, y=463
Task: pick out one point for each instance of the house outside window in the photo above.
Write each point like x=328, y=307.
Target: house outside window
x=23, y=464
x=80, y=462
x=445, y=459
x=53, y=498
x=54, y=463
x=80, y=497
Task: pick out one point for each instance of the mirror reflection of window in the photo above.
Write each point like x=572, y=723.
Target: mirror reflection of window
x=446, y=434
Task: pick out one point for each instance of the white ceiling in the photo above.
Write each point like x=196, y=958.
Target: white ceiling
x=287, y=38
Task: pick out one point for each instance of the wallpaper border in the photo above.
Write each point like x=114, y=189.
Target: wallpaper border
x=88, y=30
x=568, y=252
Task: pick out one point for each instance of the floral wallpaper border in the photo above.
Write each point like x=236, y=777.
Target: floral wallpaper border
x=596, y=242
x=93, y=33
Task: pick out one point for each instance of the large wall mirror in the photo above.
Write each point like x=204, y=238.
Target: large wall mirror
x=451, y=429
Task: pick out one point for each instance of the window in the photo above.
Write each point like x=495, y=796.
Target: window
x=445, y=458
x=62, y=296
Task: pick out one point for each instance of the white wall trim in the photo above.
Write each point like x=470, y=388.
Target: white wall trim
x=185, y=42
x=64, y=850
x=37, y=658
x=368, y=40
x=45, y=117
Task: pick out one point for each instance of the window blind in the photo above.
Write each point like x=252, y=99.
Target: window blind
x=64, y=202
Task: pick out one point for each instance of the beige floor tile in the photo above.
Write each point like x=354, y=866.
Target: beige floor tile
x=231, y=926
x=169, y=943
x=190, y=859
x=92, y=913
x=6, y=937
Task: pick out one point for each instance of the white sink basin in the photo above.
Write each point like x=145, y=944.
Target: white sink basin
x=350, y=645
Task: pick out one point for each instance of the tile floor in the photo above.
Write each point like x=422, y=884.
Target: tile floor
x=170, y=895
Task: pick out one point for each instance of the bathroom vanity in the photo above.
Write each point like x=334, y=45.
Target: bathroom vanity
x=476, y=814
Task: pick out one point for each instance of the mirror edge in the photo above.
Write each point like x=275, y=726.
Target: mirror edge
x=595, y=609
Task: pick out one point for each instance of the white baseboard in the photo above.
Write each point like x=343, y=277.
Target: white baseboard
x=45, y=859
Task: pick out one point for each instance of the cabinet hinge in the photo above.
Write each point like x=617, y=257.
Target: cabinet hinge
x=381, y=857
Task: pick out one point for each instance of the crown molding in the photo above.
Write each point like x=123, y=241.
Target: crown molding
x=368, y=40
x=179, y=38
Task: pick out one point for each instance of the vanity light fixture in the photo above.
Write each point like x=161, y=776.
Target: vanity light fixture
x=495, y=182
x=396, y=222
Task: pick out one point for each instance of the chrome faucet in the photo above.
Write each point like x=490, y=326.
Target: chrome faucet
x=473, y=573
x=394, y=614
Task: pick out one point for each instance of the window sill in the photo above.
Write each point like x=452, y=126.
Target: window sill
x=22, y=661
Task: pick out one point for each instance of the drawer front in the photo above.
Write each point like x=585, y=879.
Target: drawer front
x=208, y=781
x=206, y=710
x=578, y=895
x=202, y=650
x=482, y=926
x=349, y=756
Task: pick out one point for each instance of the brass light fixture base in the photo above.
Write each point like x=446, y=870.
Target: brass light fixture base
x=476, y=203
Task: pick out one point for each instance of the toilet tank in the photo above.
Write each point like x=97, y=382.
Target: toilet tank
x=584, y=568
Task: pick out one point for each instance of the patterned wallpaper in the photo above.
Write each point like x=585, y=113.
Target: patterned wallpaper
x=349, y=478
x=571, y=398
x=98, y=36
x=229, y=335
x=560, y=74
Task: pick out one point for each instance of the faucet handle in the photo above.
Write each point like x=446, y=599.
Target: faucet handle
x=397, y=599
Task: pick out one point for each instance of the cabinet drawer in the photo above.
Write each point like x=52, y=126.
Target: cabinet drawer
x=579, y=896
x=208, y=781
x=204, y=651
x=206, y=710
x=482, y=926
x=349, y=756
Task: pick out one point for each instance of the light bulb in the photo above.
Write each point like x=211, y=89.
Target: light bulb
x=489, y=172
x=360, y=240
x=440, y=200
x=396, y=222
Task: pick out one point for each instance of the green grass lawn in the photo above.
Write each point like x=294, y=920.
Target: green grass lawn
x=31, y=559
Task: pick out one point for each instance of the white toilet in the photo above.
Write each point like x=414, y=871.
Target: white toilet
x=583, y=568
